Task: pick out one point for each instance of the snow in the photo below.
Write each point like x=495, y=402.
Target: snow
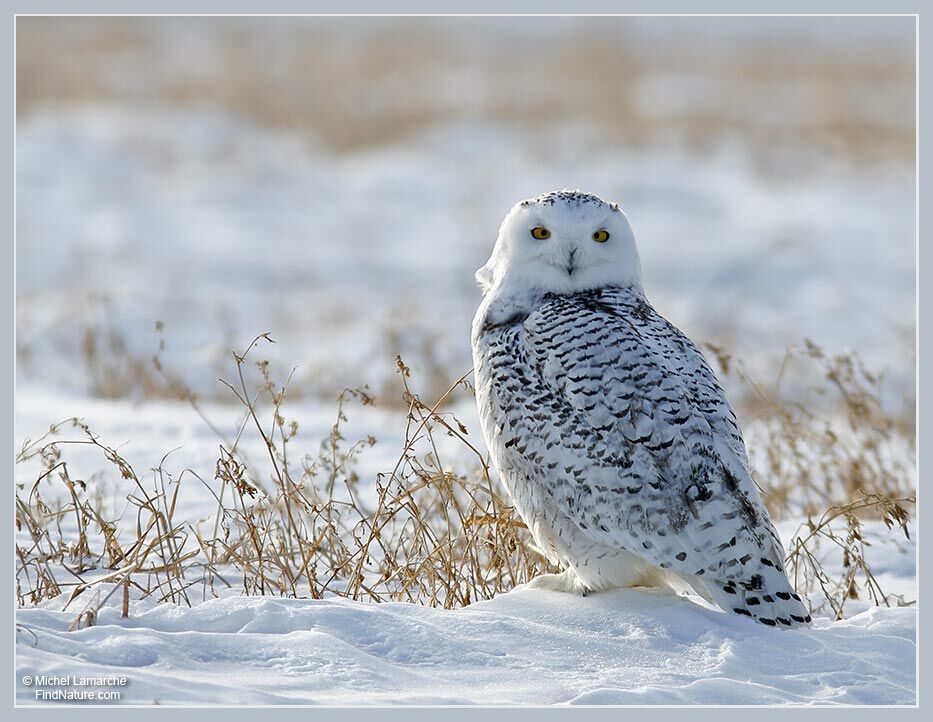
x=525, y=647
x=222, y=230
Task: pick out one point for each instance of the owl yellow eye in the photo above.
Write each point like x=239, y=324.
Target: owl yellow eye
x=540, y=233
x=601, y=236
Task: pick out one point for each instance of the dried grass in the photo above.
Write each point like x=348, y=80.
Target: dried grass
x=358, y=83
x=434, y=533
x=829, y=444
x=432, y=536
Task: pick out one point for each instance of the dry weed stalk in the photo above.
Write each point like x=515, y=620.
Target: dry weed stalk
x=808, y=558
x=59, y=535
x=811, y=461
x=429, y=530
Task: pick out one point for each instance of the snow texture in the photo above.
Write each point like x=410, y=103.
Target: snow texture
x=525, y=647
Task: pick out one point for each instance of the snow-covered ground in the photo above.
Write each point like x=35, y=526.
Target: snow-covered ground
x=527, y=646
x=133, y=208
x=524, y=647
x=222, y=230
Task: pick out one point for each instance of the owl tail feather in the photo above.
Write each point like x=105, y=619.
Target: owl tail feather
x=769, y=599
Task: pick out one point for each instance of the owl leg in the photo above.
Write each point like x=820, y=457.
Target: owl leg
x=567, y=582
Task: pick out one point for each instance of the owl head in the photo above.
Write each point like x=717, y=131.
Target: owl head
x=563, y=242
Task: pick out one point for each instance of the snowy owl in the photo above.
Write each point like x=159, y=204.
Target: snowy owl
x=607, y=426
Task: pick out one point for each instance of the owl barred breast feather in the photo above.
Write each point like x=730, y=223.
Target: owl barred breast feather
x=608, y=428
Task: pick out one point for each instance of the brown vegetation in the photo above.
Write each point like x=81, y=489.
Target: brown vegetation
x=437, y=532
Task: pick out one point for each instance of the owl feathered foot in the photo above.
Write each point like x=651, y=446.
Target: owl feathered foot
x=567, y=582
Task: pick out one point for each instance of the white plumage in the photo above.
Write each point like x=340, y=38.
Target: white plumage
x=607, y=426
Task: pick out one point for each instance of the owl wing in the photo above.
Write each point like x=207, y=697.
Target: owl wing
x=649, y=451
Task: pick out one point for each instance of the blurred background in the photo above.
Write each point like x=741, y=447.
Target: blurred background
x=336, y=182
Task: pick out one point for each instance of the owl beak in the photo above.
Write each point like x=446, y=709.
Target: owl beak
x=571, y=257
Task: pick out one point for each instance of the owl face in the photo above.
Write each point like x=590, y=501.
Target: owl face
x=563, y=242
